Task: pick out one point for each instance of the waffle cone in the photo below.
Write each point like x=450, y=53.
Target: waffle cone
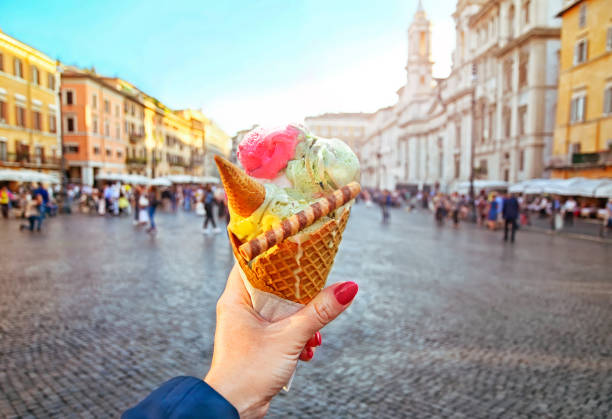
x=296, y=272
x=244, y=194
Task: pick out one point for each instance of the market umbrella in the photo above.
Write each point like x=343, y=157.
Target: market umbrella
x=604, y=190
x=160, y=181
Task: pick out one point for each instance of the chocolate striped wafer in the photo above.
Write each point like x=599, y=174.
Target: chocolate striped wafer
x=297, y=222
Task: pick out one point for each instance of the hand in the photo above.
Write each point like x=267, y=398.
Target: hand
x=254, y=358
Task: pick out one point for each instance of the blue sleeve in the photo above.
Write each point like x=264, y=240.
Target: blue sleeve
x=183, y=397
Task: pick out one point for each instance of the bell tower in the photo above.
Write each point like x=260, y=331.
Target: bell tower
x=419, y=65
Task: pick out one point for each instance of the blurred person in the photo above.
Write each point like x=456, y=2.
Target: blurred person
x=510, y=212
x=5, y=201
x=32, y=212
x=568, y=210
x=209, y=201
x=481, y=208
x=151, y=208
x=384, y=202
x=607, y=219
x=136, y=190
x=493, y=212
x=44, y=194
x=221, y=201
x=455, y=205
x=556, y=221
x=253, y=359
x=124, y=204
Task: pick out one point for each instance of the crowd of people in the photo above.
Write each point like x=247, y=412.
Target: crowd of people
x=494, y=209
x=34, y=202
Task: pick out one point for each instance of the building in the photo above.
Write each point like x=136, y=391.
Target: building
x=29, y=108
x=492, y=117
x=93, y=126
x=349, y=127
x=217, y=143
x=583, y=133
x=197, y=122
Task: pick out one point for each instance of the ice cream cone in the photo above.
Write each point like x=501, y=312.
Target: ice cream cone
x=244, y=194
x=296, y=269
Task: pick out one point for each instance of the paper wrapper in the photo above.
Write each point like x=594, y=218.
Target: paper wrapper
x=271, y=308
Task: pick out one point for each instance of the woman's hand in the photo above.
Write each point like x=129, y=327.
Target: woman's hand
x=253, y=358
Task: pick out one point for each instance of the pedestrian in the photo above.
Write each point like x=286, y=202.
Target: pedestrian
x=32, y=212
x=385, y=202
x=456, y=207
x=153, y=203
x=568, y=209
x=607, y=219
x=135, y=204
x=209, y=200
x=44, y=194
x=493, y=211
x=143, y=206
x=222, y=210
x=510, y=212
x=5, y=201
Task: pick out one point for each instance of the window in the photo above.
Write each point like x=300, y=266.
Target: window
x=511, y=22
x=18, y=68
x=106, y=106
x=106, y=128
x=506, y=175
x=507, y=115
x=109, y=152
x=117, y=110
x=125, y=107
x=457, y=168
x=523, y=68
x=96, y=150
x=582, y=16
x=52, y=123
x=39, y=153
x=525, y=11
x=458, y=136
x=20, y=116
x=484, y=168
x=608, y=101
x=521, y=160
x=127, y=127
x=117, y=131
x=69, y=97
x=119, y=154
x=3, y=152
x=608, y=43
x=35, y=76
x=51, y=81
x=508, y=75
x=36, y=120
x=94, y=125
x=70, y=124
x=580, y=52
x=94, y=101
x=71, y=149
x=574, y=148
x=522, y=120
x=2, y=66
x=577, y=108
x=492, y=122
x=2, y=112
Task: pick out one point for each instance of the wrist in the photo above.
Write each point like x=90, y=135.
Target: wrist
x=237, y=397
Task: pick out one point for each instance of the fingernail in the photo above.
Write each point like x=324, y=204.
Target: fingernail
x=309, y=353
x=345, y=292
x=318, y=339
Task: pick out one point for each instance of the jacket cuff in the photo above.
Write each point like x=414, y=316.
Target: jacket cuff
x=183, y=397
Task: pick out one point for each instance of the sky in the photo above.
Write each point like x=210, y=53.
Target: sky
x=242, y=62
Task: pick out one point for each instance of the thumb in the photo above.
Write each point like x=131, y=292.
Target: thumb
x=324, y=308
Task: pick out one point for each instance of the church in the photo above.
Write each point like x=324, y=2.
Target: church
x=493, y=116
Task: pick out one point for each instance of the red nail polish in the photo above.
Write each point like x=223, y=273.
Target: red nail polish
x=318, y=339
x=309, y=353
x=345, y=292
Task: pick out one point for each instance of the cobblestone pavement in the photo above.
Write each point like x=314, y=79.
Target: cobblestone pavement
x=447, y=323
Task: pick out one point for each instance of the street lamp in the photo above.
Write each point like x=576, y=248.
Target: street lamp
x=378, y=170
x=58, y=123
x=473, y=144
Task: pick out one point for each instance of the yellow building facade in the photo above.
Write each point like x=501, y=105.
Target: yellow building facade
x=583, y=134
x=29, y=108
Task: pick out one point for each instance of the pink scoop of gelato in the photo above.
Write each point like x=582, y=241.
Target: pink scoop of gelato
x=264, y=153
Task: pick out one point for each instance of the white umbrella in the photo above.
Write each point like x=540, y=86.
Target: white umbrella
x=604, y=190
x=109, y=176
x=27, y=176
x=136, y=179
x=180, y=178
x=160, y=181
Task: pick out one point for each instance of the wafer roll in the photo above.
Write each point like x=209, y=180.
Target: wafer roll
x=297, y=222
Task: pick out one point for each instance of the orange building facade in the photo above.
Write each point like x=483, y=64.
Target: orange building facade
x=94, y=129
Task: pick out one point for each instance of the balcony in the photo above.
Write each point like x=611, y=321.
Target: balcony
x=136, y=138
x=136, y=161
x=582, y=160
x=30, y=161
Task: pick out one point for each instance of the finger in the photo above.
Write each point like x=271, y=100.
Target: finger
x=307, y=354
x=315, y=340
x=324, y=308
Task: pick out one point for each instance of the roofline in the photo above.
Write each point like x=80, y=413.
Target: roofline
x=568, y=7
